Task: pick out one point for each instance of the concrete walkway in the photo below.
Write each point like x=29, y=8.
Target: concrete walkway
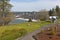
x=29, y=35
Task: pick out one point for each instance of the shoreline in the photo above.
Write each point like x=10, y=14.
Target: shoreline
x=27, y=19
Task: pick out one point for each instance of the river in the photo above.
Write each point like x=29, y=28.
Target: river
x=17, y=21
x=20, y=20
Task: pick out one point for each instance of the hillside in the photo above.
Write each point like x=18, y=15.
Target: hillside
x=11, y=32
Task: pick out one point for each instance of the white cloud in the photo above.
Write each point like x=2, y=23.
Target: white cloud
x=33, y=6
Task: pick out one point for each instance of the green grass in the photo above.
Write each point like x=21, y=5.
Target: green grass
x=11, y=32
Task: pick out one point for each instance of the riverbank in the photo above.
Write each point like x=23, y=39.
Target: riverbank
x=27, y=19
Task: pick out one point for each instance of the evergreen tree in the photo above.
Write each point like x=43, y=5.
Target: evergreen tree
x=58, y=11
x=50, y=12
x=53, y=12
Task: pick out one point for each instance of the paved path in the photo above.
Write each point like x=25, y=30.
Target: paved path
x=29, y=35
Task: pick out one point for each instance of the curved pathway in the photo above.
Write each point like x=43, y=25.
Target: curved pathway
x=29, y=36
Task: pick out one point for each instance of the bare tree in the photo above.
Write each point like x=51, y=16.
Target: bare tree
x=5, y=14
x=43, y=15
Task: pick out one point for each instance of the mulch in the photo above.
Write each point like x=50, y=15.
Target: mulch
x=51, y=33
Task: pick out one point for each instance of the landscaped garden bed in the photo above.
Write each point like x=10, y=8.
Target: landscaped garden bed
x=51, y=33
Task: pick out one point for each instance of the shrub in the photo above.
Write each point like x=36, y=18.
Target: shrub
x=30, y=20
x=52, y=31
x=48, y=21
x=41, y=31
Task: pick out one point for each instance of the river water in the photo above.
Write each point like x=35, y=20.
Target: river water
x=17, y=21
x=20, y=20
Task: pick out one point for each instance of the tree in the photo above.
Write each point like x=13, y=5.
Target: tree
x=53, y=12
x=5, y=14
x=58, y=11
x=43, y=15
x=50, y=12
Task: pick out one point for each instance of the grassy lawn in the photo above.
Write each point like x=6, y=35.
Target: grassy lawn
x=11, y=32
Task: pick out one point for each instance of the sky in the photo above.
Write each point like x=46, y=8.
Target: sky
x=33, y=5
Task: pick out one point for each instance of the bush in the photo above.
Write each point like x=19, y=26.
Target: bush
x=30, y=20
x=48, y=21
x=52, y=31
x=41, y=31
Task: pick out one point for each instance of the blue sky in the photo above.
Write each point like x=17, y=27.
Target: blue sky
x=33, y=5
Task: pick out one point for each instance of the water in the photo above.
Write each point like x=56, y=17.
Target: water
x=17, y=21
x=20, y=20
